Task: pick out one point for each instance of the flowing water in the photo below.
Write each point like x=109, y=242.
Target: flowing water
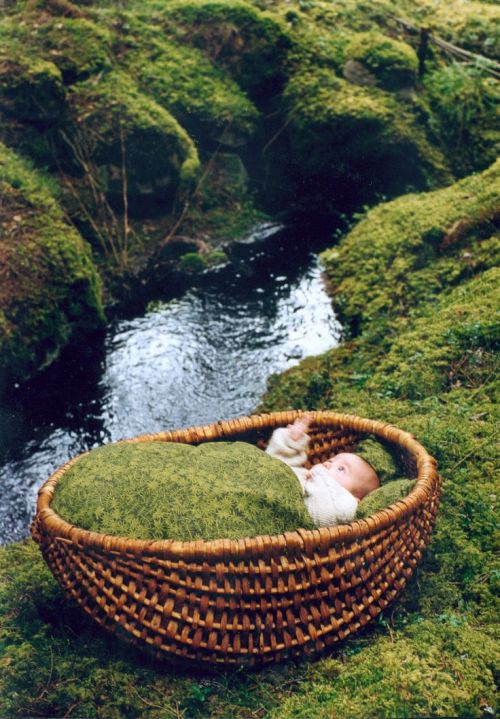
x=203, y=356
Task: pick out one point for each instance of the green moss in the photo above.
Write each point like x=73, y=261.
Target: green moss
x=30, y=88
x=369, y=143
x=208, y=103
x=50, y=290
x=79, y=47
x=465, y=103
x=407, y=251
x=158, y=490
x=384, y=496
x=392, y=62
x=452, y=342
x=124, y=125
x=192, y=262
x=250, y=44
x=216, y=258
x=430, y=669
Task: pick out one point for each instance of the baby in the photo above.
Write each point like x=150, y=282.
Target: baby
x=332, y=489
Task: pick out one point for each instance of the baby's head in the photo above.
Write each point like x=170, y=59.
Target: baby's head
x=353, y=473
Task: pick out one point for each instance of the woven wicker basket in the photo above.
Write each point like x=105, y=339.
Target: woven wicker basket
x=253, y=600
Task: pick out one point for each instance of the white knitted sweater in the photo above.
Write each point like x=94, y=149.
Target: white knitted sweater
x=326, y=500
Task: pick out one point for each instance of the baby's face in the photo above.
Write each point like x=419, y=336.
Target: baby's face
x=353, y=473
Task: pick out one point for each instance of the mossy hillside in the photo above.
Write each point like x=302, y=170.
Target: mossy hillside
x=205, y=100
x=252, y=45
x=124, y=127
x=450, y=343
x=159, y=490
x=50, y=289
x=408, y=250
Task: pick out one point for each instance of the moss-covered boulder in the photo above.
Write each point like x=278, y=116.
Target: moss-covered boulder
x=408, y=250
x=393, y=64
x=349, y=143
x=251, y=44
x=161, y=490
x=78, y=47
x=31, y=89
x=134, y=145
x=50, y=290
x=207, y=102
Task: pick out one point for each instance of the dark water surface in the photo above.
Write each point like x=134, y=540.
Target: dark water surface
x=201, y=357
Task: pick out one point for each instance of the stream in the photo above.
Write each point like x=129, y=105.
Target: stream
x=203, y=356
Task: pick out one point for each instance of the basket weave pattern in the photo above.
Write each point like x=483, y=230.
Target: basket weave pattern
x=259, y=599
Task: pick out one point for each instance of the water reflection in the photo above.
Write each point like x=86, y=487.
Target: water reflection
x=191, y=360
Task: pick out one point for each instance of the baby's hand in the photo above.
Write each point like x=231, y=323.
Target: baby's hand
x=299, y=428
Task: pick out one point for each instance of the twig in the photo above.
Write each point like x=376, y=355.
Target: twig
x=187, y=203
x=174, y=712
x=124, y=192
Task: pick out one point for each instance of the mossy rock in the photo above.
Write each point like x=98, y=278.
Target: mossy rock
x=407, y=251
x=204, y=98
x=124, y=127
x=161, y=490
x=31, y=88
x=384, y=496
x=78, y=47
x=192, y=263
x=368, y=143
x=393, y=63
x=50, y=289
x=252, y=45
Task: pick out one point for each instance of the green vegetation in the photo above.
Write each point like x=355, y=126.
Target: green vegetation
x=218, y=489
x=360, y=128
x=199, y=116
x=465, y=103
x=393, y=63
x=252, y=45
x=384, y=496
x=416, y=246
x=50, y=289
x=322, y=100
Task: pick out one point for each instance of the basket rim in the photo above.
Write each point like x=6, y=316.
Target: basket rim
x=258, y=546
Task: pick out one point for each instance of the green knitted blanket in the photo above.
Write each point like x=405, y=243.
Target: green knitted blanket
x=160, y=490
